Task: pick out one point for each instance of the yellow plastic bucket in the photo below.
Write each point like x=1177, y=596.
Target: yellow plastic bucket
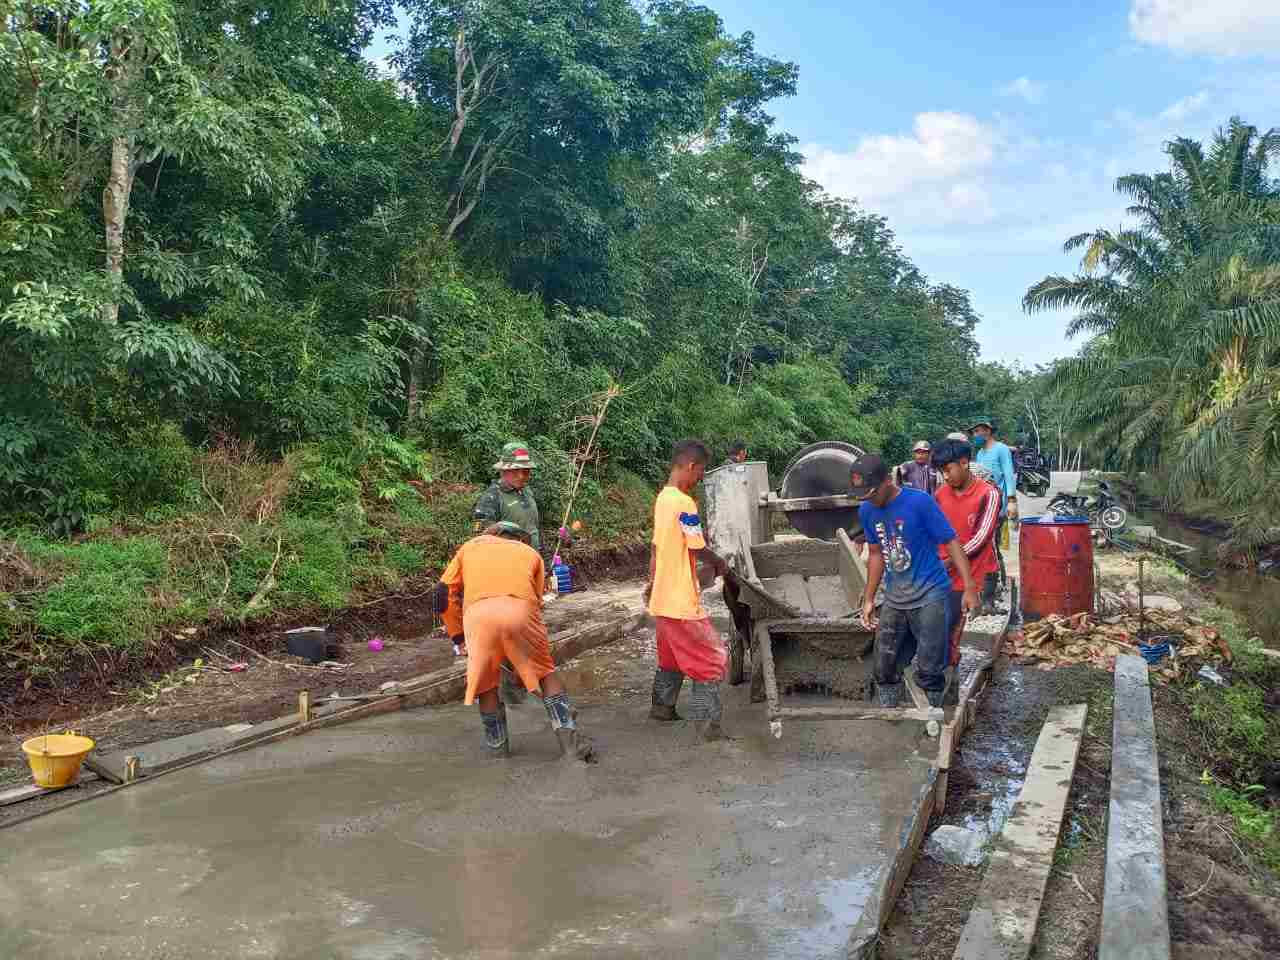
x=55, y=758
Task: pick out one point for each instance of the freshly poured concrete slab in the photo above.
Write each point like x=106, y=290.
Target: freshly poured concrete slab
x=393, y=837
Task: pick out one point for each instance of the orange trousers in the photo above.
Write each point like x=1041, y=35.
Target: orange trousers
x=505, y=628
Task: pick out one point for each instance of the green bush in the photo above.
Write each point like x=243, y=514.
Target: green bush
x=315, y=566
x=103, y=598
x=404, y=559
x=326, y=481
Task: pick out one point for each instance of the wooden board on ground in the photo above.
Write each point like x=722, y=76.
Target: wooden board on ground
x=29, y=791
x=836, y=712
x=966, y=713
x=1135, y=910
x=1002, y=923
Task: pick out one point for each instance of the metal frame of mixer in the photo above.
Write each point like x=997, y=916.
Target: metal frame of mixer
x=739, y=510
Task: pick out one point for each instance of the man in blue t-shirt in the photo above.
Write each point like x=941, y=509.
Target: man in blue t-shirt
x=904, y=529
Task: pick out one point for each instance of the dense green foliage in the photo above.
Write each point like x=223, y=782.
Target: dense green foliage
x=260, y=301
x=552, y=199
x=1182, y=368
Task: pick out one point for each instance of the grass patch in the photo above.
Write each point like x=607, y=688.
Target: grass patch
x=1258, y=825
x=326, y=527
x=103, y=599
x=1241, y=740
x=404, y=559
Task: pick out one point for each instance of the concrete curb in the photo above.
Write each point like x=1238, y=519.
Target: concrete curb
x=864, y=938
x=1135, y=909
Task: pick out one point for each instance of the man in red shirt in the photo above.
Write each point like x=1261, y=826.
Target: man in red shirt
x=973, y=508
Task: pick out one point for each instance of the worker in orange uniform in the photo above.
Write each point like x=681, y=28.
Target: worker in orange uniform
x=688, y=645
x=495, y=584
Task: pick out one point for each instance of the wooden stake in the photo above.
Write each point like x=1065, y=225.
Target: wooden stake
x=304, y=706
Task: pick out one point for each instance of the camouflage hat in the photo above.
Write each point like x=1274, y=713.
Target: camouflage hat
x=983, y=421
x=515, y=456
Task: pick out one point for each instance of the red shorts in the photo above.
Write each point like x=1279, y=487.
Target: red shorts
x=691, y=647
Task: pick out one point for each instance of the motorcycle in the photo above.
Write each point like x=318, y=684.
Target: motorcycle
x=1102, y=509
x=1032, y=481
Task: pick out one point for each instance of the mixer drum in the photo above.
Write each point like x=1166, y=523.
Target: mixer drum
x=822, y=470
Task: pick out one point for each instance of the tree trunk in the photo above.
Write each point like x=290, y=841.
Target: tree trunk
x=128, y=56
x=413, y=402
x=115, y=210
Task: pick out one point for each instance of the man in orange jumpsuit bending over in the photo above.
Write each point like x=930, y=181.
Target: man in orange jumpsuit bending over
x=495, y=584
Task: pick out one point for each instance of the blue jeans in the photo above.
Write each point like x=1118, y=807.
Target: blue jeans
x=920, y=633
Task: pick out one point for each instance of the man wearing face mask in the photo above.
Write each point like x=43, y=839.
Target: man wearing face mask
x=997, y=459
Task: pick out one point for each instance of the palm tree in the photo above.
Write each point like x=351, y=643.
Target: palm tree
x=1182, y=309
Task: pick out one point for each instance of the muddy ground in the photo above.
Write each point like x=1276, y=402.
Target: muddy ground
x=1220, y=905
x=394, y=836
x=183, y=700
x=102, y=681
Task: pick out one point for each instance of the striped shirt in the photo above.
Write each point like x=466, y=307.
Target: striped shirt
x=974, y=513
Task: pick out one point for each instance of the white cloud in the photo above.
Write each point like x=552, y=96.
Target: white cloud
x=1229, y=28
x=1023, y=87
x=936, y=171
x=1186, y=107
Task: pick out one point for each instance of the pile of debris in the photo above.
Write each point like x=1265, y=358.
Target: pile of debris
x=1088, y=638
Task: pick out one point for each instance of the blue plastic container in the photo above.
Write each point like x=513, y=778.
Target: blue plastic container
x=564, y=578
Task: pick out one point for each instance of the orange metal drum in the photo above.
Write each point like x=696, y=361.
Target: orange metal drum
x=1055, y=563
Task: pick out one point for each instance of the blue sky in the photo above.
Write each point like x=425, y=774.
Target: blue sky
x=988, y=132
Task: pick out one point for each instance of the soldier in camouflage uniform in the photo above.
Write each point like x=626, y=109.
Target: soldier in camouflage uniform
x=509, y=497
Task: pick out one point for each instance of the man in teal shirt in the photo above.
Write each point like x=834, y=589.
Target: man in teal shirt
x=997, y=458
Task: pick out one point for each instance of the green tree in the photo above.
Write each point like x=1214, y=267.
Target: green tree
x=1183, y=311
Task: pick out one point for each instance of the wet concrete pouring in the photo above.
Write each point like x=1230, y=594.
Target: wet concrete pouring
x=394, y=837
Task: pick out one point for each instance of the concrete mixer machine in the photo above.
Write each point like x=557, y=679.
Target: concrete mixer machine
x=796, y=598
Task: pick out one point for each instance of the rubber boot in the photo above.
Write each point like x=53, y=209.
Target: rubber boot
x=951, y=692
x=573, y=745
x=705, y=711
x=889, y=694
x=666, y=690
x=990, y=591
x=496, y=736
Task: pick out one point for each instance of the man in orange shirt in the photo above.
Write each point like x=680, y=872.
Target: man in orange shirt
x=495, y=584
x=688, y=645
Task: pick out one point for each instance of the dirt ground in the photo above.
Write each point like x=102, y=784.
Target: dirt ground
x=1219, y=906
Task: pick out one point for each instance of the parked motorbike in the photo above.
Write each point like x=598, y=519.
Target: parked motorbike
x=1102, y=509
x=1032, y=482
x=1031, y=471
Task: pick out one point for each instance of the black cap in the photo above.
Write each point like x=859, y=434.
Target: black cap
x=867, y=473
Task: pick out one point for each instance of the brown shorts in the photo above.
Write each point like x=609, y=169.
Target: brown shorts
x=505, y=628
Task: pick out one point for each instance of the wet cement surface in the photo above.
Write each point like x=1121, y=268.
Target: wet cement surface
x=395, y=838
